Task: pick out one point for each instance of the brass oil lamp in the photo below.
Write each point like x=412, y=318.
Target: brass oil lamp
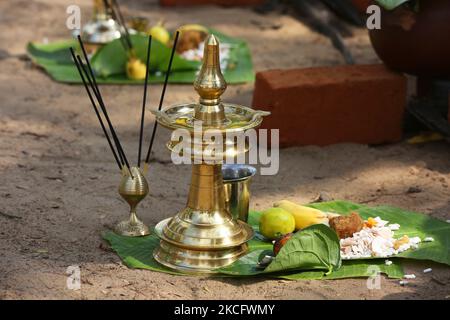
x=204, y=235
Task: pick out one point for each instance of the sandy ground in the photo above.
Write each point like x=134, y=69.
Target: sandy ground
x=59, y=182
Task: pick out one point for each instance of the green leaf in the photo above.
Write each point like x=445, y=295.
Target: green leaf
x=411, y=223
x=52, y=54
x=353, y=269
x=137, y=252
x=314, y=248
x=109, y=62
x=391, y=4
x=247, y=267
x=111, y=59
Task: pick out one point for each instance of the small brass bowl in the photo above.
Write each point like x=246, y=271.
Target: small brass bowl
x=133, y=190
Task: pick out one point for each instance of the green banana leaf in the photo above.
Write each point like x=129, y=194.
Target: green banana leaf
x=247, y=267
x=412, y=224
x=109, y=62
x=352, y=269
x=136, y=252
x=111, y=59
x=391, y=4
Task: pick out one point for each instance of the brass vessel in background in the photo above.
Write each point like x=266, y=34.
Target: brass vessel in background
x=204, y=236
x=101, y=30
x=133, y=190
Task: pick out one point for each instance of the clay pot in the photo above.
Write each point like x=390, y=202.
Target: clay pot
x=415, y=42
x=361, y=5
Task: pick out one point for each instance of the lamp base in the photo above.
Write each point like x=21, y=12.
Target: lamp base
x=131, y=228
x=196, y=261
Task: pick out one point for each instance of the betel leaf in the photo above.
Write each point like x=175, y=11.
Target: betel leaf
x=391, y=4
x=314, y=248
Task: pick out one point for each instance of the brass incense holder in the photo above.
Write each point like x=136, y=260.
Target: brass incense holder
x=133, y=190
x=204, y=236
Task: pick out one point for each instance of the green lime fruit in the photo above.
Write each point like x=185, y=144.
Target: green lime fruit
x=276, y=222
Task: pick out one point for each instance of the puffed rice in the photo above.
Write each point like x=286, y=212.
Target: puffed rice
x=377, y=241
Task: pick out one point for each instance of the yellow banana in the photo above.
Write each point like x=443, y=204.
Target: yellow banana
x=196, y=27
x=304, y=216
x=160, y=33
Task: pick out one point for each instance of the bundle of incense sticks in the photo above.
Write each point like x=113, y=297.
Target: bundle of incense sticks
x=112, y=7
x=88, y=77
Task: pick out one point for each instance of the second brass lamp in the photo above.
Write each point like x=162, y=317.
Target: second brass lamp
x=204, y=236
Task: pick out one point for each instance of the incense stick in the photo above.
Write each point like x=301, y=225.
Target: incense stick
x=96, y=110
x=144, y=100
x=103, y=108
x=117, y=15
x=86, y=75
x=100, y=100
x=161, y=100
x=109, y=9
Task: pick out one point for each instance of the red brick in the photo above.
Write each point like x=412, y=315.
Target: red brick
x=327, y=105
x=228, y=3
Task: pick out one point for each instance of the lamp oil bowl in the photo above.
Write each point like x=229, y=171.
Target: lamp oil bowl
x=204, y=235
x=133, y=190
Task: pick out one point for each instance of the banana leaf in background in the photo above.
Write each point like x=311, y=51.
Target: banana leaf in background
x=109, y=62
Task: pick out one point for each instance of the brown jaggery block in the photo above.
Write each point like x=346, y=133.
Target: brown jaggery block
x=346, y=226
x=228, y=3
x=327, y=105
x=190, y=39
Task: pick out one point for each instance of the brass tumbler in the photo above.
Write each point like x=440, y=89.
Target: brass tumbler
x=236, y=180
